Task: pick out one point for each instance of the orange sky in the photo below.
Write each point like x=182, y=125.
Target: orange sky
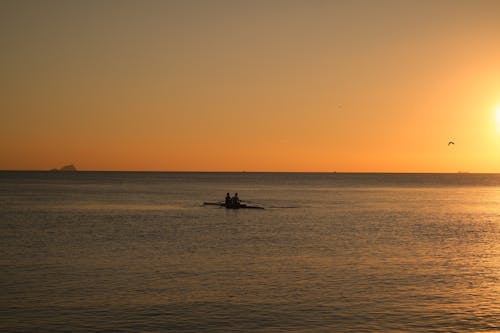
x=356, y=86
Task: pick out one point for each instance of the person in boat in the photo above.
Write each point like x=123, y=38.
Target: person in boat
x=228, y=200
x=235, y=201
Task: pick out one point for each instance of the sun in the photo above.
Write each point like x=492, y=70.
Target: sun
x=497, y=117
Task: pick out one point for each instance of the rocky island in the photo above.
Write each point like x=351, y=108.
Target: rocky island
x=70, y=167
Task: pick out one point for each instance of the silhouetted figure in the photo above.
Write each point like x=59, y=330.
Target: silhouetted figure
x=228, y=200
x=235, y=201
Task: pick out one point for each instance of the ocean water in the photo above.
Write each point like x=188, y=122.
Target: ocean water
x=137, y=252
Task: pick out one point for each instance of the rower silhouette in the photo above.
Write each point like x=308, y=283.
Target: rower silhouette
x=235, y=201
x=228, y=200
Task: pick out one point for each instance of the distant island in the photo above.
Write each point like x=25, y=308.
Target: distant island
x=70, y=167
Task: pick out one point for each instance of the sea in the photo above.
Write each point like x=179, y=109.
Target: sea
x=331, y=252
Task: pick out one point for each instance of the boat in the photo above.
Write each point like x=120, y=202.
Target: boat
x=240, y=206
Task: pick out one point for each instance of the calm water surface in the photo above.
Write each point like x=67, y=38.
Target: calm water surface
x=105, y=251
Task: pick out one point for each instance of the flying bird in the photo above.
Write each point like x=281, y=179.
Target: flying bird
x=451, y=143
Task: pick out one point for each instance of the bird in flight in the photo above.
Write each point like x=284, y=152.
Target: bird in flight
x=451, y=143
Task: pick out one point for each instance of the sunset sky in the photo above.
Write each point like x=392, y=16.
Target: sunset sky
x=347, y=86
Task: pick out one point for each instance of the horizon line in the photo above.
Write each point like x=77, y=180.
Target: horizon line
x=208, y=171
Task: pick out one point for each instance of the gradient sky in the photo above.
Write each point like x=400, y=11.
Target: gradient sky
x=254, y=85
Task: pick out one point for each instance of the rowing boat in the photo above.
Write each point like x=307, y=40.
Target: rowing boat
x=242, y=206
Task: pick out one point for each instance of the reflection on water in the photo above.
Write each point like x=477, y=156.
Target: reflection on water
x=137, y=252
